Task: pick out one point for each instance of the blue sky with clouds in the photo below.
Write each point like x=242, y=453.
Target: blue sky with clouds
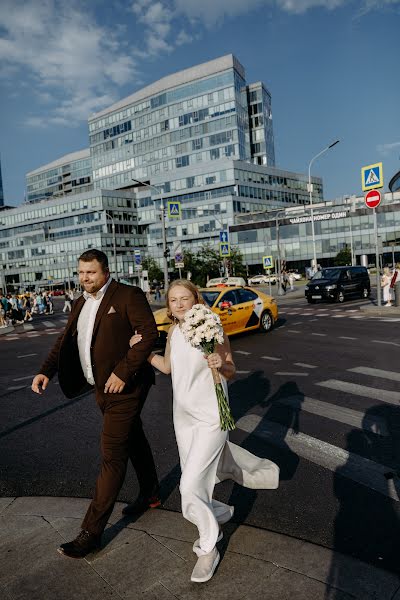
x=330, y=65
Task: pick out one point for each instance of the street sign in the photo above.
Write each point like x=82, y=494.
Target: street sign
x=225, y=249
x=223, y=237
x=179, y=264
x=174, y=210
x=372, y=198
x=138, y=260
x=372, y=177
x=268, y=262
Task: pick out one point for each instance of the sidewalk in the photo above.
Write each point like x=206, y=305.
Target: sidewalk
x=152, y=559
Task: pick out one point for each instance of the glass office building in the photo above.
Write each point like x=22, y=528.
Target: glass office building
x=203, y=137
x=1, y=188
x=394, y=184
x=338, y=225
x=41, y=242
x=68, y=175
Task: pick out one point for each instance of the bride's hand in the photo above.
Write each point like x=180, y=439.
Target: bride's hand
x=214, y=361
x=135, y=339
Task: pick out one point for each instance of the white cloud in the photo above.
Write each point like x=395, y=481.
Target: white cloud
x=63, y=53
x=390, y=148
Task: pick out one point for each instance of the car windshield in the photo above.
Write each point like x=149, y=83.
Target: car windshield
x=332, y=274
x=209, y=297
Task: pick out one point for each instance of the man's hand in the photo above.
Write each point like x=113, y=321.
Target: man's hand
x=39, y=383
x=114, y=385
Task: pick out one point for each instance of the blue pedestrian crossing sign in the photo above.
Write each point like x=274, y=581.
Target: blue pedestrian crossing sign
x=225, y=249
x=138, y=258
x=223, y=237
x=372, y=176
x=174, y=209
x=268, y=262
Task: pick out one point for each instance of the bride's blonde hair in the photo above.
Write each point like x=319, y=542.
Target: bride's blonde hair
x=198, y=298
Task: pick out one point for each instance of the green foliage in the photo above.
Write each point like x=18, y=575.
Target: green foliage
x=151, y=265
x=343, y=258
x=207, y=263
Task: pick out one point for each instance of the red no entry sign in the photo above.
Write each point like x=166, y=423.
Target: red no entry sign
x=373, y=198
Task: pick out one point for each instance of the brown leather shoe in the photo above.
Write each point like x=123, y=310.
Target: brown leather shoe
x=83, y=544
x=140, y=505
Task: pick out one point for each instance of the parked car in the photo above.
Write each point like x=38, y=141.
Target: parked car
x=226, y=281
x=296, y=276
x=338, y=283
x=239, y=308
x=262, y=279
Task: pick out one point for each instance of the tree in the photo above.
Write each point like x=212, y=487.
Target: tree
x=236, y=262
x=343, y=258
x=151, y=265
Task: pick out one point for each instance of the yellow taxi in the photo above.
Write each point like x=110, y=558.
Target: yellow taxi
x=239, y=308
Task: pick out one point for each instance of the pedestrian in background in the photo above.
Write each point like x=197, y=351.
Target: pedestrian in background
x=291, y=281
x=385, y=285
x=67, y=302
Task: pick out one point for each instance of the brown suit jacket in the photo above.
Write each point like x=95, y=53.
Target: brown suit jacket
x=110, y=343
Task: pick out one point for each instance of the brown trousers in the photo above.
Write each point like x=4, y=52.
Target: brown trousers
x=122, y=438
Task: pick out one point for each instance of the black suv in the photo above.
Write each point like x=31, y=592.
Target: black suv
x=337, y=283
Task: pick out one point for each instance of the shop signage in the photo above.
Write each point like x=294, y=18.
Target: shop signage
x=321, y=217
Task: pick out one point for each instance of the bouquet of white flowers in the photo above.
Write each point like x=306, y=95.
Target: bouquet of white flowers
x=203, y=330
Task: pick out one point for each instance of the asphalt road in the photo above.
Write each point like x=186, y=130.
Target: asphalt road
x=319, y=395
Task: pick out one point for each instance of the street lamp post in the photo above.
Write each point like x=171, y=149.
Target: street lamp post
x=108, y=216
x=310, y=191
x=278, y=214
x=164, y=232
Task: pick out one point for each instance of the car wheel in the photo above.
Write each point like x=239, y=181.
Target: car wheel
x=340, y=297
x=365, y=293
x=266, y=321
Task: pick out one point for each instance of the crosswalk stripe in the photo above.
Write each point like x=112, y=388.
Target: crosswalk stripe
x=305, y=365
x=242, y=352
x=291, y=374
x=26, y=355
x=392, y=375
x=334, y=412
x=25, y=377
x=49, y=324
x=320, y=334
x=346, y=337
x=347, y=464
x=361, y=390
x=27, y=326
x=385, y=342
x=271, y=358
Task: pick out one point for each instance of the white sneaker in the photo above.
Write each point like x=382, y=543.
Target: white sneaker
x=197, y=542
x=205, y=567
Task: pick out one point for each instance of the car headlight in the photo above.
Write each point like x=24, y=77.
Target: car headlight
x=331, y=287
x=306, y=288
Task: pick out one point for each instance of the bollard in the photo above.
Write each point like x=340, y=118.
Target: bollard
x=397, y=294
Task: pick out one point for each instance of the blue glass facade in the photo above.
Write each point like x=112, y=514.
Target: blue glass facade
x=1, y=189
x=71, y=174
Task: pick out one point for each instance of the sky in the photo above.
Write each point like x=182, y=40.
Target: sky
x=332, y=67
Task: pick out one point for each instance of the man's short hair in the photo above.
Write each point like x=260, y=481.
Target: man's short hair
x=94, y=254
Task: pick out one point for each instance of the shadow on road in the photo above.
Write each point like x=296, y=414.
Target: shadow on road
x=367, y=522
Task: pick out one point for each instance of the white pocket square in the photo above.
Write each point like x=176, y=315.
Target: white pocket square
x=111, y=311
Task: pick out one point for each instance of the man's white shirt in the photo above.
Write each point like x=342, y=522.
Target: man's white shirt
x=86, y=320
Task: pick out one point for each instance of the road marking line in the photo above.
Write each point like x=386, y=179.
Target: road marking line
x=49, y=324
x=298, y=323
x=334, y=412
x=25, y=377
x=346, y=464
x=27, y=327
x=384, y=342
x=320, y=334
x=242, y=352
x=311, y=320
x=360, y=317
x=243, y=372
x=31, y=335
x=361, y=390
x=291, y=374
x=346, y=337
x=51, y=332
x=271, y=358
x=351, y=310
x=338, y=316
x=14, y=337
x=305, y=365
x=392, y=375
x=293, y=331
x=26, y=355
x=17, y=387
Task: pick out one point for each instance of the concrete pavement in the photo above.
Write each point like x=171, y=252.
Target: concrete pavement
x=152, y=558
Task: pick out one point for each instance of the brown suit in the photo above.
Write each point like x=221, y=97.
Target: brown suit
x=122, y=436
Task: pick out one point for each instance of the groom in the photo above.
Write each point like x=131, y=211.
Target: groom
x=94, y=351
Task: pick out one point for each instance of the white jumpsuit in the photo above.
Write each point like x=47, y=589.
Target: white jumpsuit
x=206, y=456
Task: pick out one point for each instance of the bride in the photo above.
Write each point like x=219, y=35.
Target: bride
x=206, y=455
